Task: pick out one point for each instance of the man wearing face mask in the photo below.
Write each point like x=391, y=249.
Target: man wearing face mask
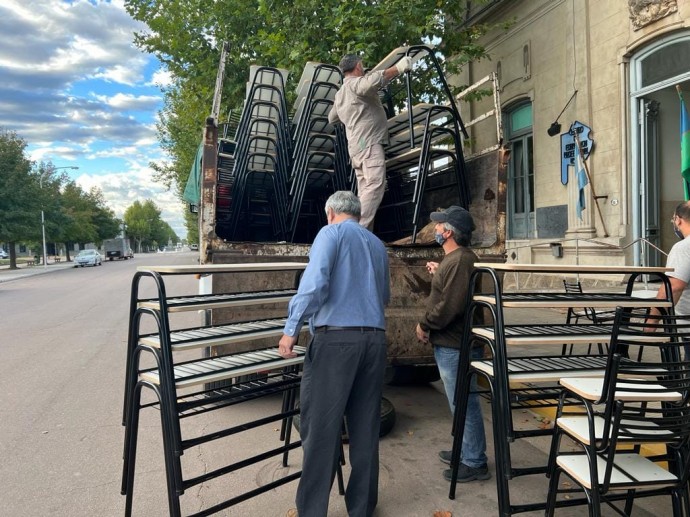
x=442, y=326
x=679, y=260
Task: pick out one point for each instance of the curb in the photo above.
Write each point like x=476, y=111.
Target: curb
x=8, y=275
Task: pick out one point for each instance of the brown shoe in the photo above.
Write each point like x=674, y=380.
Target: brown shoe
x=292, y=512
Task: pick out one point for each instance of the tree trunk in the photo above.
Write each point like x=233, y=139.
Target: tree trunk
x=13, y=255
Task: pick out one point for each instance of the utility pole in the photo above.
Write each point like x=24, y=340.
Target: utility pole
x=220, y=76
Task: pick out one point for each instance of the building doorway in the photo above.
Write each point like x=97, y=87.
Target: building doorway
x=518, y=131
x=657, y=186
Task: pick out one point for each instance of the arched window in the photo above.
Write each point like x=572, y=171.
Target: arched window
x=518, y=131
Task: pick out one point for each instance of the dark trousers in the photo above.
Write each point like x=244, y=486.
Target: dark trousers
x=343, y=375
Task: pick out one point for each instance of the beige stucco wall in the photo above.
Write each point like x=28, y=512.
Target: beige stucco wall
x=581, y=45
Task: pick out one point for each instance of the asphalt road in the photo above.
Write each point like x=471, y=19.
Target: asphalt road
x=62, y=354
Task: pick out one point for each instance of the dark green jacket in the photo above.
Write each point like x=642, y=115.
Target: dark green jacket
x=445, y=308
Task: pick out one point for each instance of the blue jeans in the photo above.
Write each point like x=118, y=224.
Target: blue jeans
x=473, y=440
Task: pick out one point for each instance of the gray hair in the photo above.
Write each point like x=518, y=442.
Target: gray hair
x=348, y=62
x=344, y=202
x=461, y=238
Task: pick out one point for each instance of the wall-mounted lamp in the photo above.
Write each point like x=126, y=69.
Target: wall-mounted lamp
x=555, y=127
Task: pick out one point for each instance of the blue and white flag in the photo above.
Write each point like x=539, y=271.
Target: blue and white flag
x=581, y=184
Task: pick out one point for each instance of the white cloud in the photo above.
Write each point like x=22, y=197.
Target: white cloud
x=76, y=88
x=121, y=189
x=161, y=78
x=130, y=102
x=80, y=40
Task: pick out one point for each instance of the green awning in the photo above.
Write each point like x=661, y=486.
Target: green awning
x=192, y=191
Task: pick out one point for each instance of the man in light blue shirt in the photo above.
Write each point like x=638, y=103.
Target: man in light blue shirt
x=342, y=295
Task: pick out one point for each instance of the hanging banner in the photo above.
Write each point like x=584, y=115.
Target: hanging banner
x=569, y=147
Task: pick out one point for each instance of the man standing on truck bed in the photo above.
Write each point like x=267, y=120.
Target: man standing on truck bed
x=442, y=326
x=343, y=293
x=358, y=107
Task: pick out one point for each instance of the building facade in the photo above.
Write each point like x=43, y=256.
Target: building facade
x=588, y=94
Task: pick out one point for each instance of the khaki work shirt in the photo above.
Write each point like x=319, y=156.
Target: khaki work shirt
x=358, y=107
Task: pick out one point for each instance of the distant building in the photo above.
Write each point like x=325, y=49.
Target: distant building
x=624, y=59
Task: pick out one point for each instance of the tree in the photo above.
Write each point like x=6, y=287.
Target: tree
x=81, y=217
x=192, y=224
x=20, y=194
x=107, y=225
x=186, y=36
x=145, y=226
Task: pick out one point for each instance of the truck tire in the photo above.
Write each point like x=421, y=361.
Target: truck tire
x=387, y=419
x=409, y=375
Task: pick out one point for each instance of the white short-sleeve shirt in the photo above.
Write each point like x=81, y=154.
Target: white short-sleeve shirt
x=679, y=260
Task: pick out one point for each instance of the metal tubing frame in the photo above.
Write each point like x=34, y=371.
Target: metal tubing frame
x=499, y=387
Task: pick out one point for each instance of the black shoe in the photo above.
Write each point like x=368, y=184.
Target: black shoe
x=444, y=456
x=467, y=474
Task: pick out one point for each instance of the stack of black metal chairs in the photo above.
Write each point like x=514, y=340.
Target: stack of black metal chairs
x=320, y=164
x=275, y=172
x=225, y=168
x=261, y=163
x=425, y=151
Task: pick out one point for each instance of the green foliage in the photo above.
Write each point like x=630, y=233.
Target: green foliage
x=186, y=36
x=71, y=214
x=20, y=194
x=27, y=189
x=144, y=225
x=107, y=225
x=192, y=224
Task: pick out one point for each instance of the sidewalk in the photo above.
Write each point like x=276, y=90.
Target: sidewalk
x=7, y=274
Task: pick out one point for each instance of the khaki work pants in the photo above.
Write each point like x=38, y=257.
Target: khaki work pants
x=370, y=169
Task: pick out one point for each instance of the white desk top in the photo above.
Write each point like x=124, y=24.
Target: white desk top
x=396, y=54
x=572, y=302
x=591, y=389
x=224, y=268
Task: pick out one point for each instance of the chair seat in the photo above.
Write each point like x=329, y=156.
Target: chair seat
x=578, y=428
x=532, y=335
x=630, y=471
x=215, y=369
x=591, y=389
x=546, y=368
x=201, y=337
x=211, y=301
x=601, y=314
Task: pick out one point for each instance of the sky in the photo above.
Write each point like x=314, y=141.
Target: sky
x=75, y=87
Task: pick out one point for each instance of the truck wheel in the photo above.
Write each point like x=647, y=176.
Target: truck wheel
x=409, y=375
x=387, y=419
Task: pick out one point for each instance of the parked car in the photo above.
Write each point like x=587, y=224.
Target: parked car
x=88, y=258
x=3, y=254
x=194, y=247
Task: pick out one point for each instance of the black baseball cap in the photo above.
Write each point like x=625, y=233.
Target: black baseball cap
x=457, y=216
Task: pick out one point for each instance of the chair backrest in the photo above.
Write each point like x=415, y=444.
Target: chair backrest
x=648, y=350
x=647, y=393
x=576, y=288
x=572, y=287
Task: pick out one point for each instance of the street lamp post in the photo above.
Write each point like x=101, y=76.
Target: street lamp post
x=43, y=219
